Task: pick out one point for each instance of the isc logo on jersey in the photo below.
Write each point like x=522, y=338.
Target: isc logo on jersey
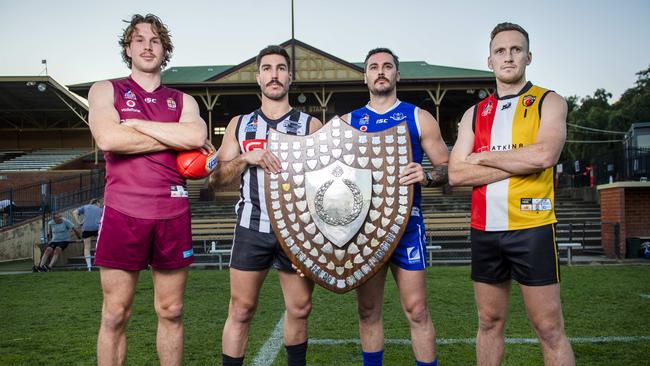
x=254, y=144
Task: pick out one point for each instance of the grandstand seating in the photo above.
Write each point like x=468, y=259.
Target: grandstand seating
x=10, y=154
x=446, y=219
x=42, y=159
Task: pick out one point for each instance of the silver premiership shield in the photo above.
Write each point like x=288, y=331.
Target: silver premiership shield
x=337, y=207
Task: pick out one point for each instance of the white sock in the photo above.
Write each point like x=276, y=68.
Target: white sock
x=88, y=262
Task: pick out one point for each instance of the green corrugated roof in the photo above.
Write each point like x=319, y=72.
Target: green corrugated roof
x=192, y=74
x=408, y=70
x=423, y=70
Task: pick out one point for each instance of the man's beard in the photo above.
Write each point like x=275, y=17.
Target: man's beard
x=382, y=92
x=280, y=95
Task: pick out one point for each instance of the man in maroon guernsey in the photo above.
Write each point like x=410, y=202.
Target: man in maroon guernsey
x=140, y=125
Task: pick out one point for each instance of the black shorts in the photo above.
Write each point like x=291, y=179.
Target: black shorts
x=256, y=251
x=89, y=234
x=59, y=244
x=528, y=256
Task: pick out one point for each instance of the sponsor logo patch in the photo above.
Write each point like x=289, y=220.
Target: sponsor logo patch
x=398, y=116
x=129, y=95
x=535, y=204
x=364, y=120
x=179, y=191
x=413, y=254
x=483, y=148
x=528, y=100
x=487, y=109
x=291, y=126
x=254, y=144
x=251, y=126
x=188, y=253
x=171, y=104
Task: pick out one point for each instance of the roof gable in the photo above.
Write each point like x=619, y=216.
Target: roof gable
x=311, y=65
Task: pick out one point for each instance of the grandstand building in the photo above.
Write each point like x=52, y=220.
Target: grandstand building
x=324, y=86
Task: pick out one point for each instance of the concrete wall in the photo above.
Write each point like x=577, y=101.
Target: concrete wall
x=19, y=242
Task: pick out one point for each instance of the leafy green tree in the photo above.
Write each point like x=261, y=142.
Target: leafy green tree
x=596, y=112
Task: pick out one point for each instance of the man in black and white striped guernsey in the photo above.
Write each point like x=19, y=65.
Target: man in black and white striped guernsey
x=243, y=155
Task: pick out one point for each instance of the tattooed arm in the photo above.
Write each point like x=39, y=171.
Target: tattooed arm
x=435, y=148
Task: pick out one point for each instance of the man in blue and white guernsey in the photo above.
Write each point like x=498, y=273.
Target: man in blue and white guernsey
x=408, y=261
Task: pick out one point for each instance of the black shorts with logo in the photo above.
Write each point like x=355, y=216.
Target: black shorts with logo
x=256, y=251
x=528, y=256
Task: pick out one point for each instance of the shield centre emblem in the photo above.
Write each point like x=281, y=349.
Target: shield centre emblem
x=338, y=197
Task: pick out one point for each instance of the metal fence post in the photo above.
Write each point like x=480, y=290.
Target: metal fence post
x=11, y=206
x=617, y=234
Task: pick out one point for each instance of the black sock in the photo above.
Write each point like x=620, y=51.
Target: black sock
x=231, y=361
x=297, y=354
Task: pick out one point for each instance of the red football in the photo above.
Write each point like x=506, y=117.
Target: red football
x=192, y=164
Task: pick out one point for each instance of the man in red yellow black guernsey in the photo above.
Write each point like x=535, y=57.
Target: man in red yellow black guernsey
x=140, y=124
x=506, y=149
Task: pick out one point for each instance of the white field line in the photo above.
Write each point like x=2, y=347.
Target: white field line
x=269, y=351
x=271, y=347
x=444, y=341
x=645, y=296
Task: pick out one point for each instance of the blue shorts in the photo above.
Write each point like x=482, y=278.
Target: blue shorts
x=411, y=252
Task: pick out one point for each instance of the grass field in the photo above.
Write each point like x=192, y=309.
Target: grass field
x=52, y=319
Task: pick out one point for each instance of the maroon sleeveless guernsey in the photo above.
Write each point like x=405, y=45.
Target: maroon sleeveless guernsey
x=146, y=186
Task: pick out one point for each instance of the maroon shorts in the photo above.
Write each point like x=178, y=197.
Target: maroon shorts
x=129, y=243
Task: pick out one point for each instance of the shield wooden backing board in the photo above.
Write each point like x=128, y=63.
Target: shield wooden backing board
x=337, y=207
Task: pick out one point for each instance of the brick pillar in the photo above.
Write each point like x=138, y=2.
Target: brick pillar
x=628, y=204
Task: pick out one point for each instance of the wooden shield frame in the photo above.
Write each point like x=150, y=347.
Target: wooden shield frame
x=339, y=267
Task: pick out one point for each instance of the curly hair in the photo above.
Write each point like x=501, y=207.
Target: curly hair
x=159, y=28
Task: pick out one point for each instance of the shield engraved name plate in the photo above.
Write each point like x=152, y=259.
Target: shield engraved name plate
x=337, y=207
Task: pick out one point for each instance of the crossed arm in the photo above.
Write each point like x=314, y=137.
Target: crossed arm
x=467, y=168
x=139, y=136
